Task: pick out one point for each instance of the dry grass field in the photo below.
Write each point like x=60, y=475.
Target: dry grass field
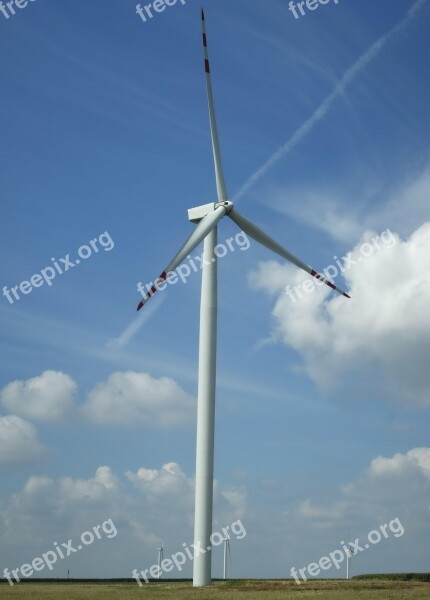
x=231, y=590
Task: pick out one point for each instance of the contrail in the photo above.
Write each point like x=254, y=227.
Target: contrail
x=326, y=105
x=130, y=331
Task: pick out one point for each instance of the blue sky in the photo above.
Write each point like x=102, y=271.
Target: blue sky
x=322, y=403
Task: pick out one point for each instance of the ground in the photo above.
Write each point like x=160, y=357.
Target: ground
x=230, y=590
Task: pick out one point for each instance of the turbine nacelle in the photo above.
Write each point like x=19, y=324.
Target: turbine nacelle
x=197, y=213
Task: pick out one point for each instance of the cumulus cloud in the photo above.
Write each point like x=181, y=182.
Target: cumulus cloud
x=400, y=483
x=163, y=488
x=47, y=397
x=48, y=509
x=146, y=506
x=171, y=482
x=170, y=479
x=381, y=335
x=375, y=205
x=390, y=488
x=125, y=398
x=18, y=441
x=322, y=209
x=137, y=398
x=236, y=498
x=159, y=486
x=417, y=459
x=159, y=505
x=70, y=490
x=89, y=489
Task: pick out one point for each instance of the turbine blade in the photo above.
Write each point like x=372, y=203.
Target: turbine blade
x=199, y=233
x=258, y=235
x=220, y=181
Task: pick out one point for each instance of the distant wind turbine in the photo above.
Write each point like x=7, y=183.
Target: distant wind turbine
x=349, y=553
x=207, y=217
x=226, y=552
x=160, y=551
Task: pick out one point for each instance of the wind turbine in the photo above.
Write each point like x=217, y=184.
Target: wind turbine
x=160, y=551
x=207, y=217
x=349, y=554
x=226, y=551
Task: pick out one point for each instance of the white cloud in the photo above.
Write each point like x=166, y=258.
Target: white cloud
x=94, y=489
x=417, y=459
x=137, y=398
x=391, y=488
x=126, y=398
x=381, y=335
x=324, y=515
x=159, y=505
x=322, y=208
x=18, y=441
x=146, y=507
x=169, y=480
x=398, y=483
x=48, y=509
x=407, y=206
x=48, y=397
x=237, y=499
x=106, y=477
x=162, y=487
x=64, y=497
x=165, y=490
x=344, y=212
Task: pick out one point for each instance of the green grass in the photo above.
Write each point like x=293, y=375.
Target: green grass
x=356, y=589
x=398, y=577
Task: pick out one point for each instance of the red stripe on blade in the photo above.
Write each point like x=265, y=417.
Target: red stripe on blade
x=152, y=291
x=329, y=283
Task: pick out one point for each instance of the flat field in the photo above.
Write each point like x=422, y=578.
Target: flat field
x=231, y=590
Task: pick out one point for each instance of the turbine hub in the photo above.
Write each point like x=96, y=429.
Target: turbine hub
x=226, y=204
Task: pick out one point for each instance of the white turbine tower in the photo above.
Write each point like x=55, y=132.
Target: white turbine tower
x=226, y=552
x=207, y=217
x=349, y=554
x=160, y=552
